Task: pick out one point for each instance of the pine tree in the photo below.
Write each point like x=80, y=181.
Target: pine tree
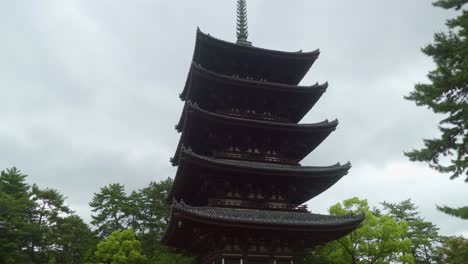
x=447, y=94
x=111, y=207
x=461, y=212
x=15, y=211
x=424, y=235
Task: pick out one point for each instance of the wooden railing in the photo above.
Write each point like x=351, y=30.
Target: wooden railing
x=251, y=156
x=254, y=115
x=268, y=205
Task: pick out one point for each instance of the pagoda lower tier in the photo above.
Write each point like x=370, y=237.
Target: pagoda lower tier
x=202, y=180
x=244, y=236
x=250, y=98
x=222, y=136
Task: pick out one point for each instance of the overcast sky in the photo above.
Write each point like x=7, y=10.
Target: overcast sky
x=89, y=91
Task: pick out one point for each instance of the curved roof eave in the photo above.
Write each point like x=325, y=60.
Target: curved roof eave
x=201, y=36
x=196, y=68
x=267, y=167
x=219, y=215
x=192, y=107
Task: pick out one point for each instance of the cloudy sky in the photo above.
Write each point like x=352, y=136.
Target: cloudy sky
x=89, y=91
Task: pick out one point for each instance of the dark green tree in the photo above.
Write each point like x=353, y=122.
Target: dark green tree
x=447, y=94
x=15, y=211
x=73, y=240
x=111, y=206
x=164, y=255
x=48, y=211
x=154, y=217
x=461, y=212
x=453, y=251
x=424, y=235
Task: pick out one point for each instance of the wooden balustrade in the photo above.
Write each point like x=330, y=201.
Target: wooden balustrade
x=266, y=205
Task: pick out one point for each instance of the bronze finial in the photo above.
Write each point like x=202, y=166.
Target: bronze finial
x=242, y=28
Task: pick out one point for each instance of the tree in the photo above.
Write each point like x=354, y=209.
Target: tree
x=73, y=240
x=424, y=235
x=121, y=247
x=111, y=205
x=49, y=208
x=380, y=239
x=15, y=209
x=461, y=212
x=154, y=215
x=454, y=251
x=447, y=94
x=164, y=255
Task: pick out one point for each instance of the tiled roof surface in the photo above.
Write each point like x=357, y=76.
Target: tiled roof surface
x=251, y=216
x=268, y=166
x=193, y=107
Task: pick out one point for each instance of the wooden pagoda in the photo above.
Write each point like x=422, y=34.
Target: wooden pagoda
x=239, y=189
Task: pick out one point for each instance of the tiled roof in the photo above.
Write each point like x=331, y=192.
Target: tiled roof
x=196, y=68
x=201, y=36
x=250, y=216
x=268, y=166
x=193, y=107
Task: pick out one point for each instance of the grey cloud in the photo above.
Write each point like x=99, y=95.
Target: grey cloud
x=89, y=89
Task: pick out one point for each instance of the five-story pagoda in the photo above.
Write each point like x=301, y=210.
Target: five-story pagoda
x=239, y=187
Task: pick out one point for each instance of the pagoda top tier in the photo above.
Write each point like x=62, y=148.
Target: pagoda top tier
x=251, y=62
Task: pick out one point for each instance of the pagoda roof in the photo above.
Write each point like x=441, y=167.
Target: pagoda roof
x=221, y=215
x=313, y=228
x=192, y=121
x=313, y=180
x=302, y=98
x=198, y=71
x=291, y=170
x=278, y=66
x=194, y=108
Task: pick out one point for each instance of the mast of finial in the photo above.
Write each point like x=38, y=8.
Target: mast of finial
x=242, y=28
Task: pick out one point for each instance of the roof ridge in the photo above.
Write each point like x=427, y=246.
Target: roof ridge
x=200, y=34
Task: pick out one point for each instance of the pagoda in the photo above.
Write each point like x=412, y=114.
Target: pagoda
x=239, y=191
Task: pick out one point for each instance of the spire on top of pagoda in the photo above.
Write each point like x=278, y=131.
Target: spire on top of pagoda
x=242, y=28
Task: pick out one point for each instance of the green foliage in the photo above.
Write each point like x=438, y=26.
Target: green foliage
x=447, y=94
x=15, y=209
x=112, y=207
x=145, y=211
x=121, y=247
x=424, y=235
x=380, y=239
x=164, y=255
x=454, y=251
x=36, y=226
x=461, y=212
x=73, y=239
x=48, y=211
x=154, y=215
